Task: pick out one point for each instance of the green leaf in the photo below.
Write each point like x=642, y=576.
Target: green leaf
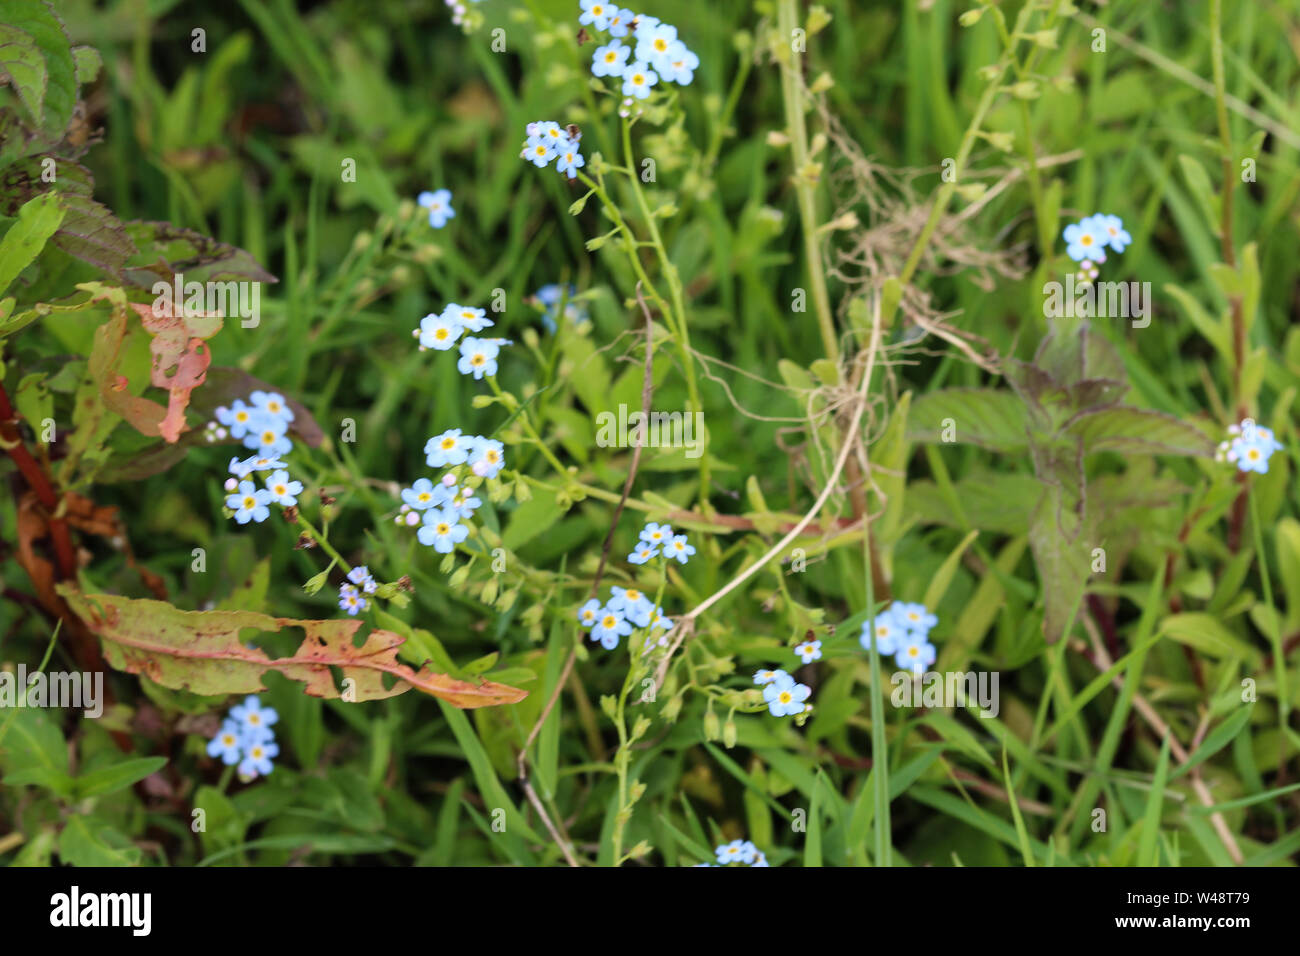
x=1198, y=183
x=985, y=417
x=37, y=221
x=1148, y=843
x=1214, y=332
x=1216, y=740
x=1204, y=632
x=34, y=752
x=1131, y=430
x=37, y=20
x=88, y=63
x=223, y=824
x=87, y=841
x=1062, y=555
x=943, y=577
x=116, y=777
x=23, y=66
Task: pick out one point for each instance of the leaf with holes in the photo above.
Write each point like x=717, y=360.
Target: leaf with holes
x=201, y=652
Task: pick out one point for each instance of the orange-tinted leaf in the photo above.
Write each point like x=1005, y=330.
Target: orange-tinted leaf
x=180, y=358
x=201, y=651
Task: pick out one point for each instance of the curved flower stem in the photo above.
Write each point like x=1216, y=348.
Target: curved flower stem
x=676, y=317
x=944, y=195
x=323, y=542
x=527, y=422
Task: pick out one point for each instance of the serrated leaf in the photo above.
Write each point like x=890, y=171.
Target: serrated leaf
x=201, y=651
x=1123, y=428
x=166, y=250
x=23, y=65
x=985, y=417
x=37, y=20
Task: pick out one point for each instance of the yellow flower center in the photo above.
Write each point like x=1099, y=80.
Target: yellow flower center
x=249, y=501
x=478, y=359
x=784, y=697
x=611, y=56
x=661, y=44
x=241, y=416
x=281, y=491
x=443, y=527
x=448, y=443
x=423, y=496
x=1086, y=240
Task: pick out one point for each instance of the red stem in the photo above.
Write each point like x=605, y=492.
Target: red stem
x=39, y=482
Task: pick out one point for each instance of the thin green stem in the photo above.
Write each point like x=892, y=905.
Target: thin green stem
x=805, y=182
x=527, y=423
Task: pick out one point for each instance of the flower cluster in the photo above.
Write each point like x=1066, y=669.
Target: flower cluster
x=627, y=608
x=549, y=296
x=1249, y=447
x=439, y=205
x=352, y=593
x=439, y=509
x=659, y=538
x=904, y=631
x=784, y=697
x=1087, y=240
x=657, y=55
x=738, y=852
x=549, y=141
x=440, y=331
x=246, y=738
x=262, y=424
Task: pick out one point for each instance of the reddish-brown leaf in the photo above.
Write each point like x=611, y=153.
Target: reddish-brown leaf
x=201, y=651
